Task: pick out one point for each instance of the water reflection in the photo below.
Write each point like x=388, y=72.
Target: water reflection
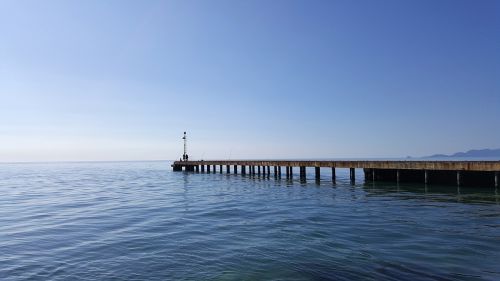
x=434, y=192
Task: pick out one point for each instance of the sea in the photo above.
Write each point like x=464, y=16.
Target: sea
x=142, y=221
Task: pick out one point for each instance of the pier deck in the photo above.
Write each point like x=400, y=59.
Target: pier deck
x=457, y=172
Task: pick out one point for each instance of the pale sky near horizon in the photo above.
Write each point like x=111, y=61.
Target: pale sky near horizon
x=121, y=80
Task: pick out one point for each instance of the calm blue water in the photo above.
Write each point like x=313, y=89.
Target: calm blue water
x=141, y=221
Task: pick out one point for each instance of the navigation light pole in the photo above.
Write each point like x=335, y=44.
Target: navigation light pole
x=185, y=156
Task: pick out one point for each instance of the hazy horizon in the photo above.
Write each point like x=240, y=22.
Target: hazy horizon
x=407, y=158
x=122, y=80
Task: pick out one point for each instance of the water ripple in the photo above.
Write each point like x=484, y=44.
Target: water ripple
x=141, y=221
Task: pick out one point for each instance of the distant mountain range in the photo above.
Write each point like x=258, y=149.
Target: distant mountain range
x=476, y=153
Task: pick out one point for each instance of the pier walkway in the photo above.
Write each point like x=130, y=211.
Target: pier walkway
x=483, y=173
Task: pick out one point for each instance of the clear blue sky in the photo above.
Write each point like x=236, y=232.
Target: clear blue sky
x=121, y=80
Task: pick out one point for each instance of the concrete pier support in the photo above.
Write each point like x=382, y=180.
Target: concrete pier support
x=258, y=170
x=235, y=169
x=317, y=173
x=334, y=175
x=444, y=177
x=291, y=172
x=268, y=171
x=177, y=168
x=279, y=171
x=302, y=172
x=275, y=171
x=215, y=169
x=202, y=168
x=197, y=168
x=220, y=169
x=228, y=169
x=287, y=172
x=243, y=170
x=352, y=174
x=208, y=169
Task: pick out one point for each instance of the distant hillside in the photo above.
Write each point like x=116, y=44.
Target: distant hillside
x=476, y=153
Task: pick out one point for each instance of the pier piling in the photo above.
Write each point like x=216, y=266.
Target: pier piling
x=302, y=172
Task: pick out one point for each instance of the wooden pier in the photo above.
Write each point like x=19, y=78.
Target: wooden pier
x=471, y=173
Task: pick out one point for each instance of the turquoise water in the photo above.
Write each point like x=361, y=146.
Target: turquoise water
x=141, y=221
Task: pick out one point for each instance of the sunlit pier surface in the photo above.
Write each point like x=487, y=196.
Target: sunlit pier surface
x=469, y=173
